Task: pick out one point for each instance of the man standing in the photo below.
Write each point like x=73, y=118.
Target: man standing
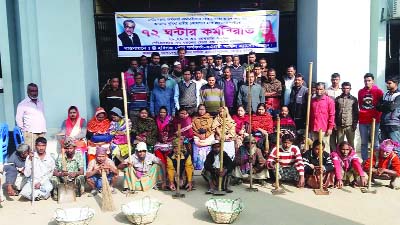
x=15, y=178
x=273, y=91
x=177, y=72
x=289, y=83
x=30, y=115
x=390, y=108
x=298, y=102
x=187, y=93
x=138, y=96
x=182, y=59
x=346, y=109
x=44, y=166
x=217, y=68
x=368, y=99
x=128, y=38
x=322, y=114
x=198, y=79
x=230, y=87
x=162, y=96
x=251, y=59
x=238, y=71
x=257, y=94
x=212, y=96
x=111, y=95
x=334, y=90
x=154, y=70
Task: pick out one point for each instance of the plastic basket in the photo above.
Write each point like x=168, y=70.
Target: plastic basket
x=142, y=211
x=73, y=216
x=224, y=210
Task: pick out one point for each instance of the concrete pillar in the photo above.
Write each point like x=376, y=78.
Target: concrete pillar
x=335, y=35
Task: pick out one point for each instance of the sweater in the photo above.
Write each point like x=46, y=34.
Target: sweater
x=212, y=98
x=257, y=96
x=187, y=94
x=392, y=162
x=309, y=157
x=368, y=99
x=351, y=161
x=287, y=158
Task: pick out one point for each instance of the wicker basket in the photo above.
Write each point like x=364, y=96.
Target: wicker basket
x=224, y=210
x=142, y=211
x=73, y=216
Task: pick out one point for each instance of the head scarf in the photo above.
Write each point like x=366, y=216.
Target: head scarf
x=346, y=160
x=101, y=151
x=69, y=124
x=388, y=145
x=96, y=126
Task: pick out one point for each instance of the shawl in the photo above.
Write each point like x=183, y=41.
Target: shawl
x=240, y=122
x=262, y=121
x=162, y=124
x=96, y=126
x=69, y=124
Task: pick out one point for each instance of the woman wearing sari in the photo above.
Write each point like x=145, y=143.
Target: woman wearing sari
x=203, y=136
x=119, y=143
x=74, y=127
x=166, y=134
x=144, y=129
x=97, y=132
x=230, y=130
x=262, y=122
x=242, y=122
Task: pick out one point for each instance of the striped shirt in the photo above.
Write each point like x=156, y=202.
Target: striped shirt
x=212, y=98
x=287, y=158
x=138, y=97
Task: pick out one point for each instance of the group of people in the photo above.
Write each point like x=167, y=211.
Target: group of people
x=176, y=114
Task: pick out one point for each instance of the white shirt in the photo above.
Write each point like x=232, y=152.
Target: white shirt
x=199, y=84
x=288, y=89
x=43, y=169
x=331, y=92
x=30, y=116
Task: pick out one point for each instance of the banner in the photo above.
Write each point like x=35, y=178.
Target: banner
x=203, y=33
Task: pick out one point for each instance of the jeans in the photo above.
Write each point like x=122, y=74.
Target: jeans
x=390, y=132
x=365, y=134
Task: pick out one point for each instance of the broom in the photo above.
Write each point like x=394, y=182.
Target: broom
x=107, y=203
x=310, y=72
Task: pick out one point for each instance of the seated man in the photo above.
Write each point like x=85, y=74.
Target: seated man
x=186, y=167
x=388, y=164
x=312, y=169
x=291, y=167
x=348, y=170
x=72, y=171
x=95, y=167
x=43, y=169
x=14, y=169
x=249, y=153
x=211, y=171
x=145, y=172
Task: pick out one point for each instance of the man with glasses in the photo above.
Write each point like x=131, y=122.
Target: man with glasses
x=128, y=38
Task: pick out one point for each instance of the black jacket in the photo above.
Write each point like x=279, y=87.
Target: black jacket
x=127, y=42
x=310, y=158
x=208, y=164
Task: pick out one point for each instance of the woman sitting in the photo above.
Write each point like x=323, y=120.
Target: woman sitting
x=287, y=123
x=97, y=132
x=165, y=134
x=242, y=122
x=74, y=128
x=230, y=133
x=144, y=129
x=262, y=122
x=117, y=128
x=203, y=136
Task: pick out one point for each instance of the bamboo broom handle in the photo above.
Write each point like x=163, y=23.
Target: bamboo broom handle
x=372, y=152
x=221, y=156
x=310, y=68
x=278, y=137
x=128, y=133
x=321, y=150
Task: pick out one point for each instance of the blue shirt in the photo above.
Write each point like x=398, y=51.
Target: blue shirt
x=162, y=97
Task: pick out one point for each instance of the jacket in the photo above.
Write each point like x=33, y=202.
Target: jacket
x=162, y=97
x=257, y=96
x=298, y=102
x=390, y=108
x=210, y=158
x=309, y=157
x=346, y=111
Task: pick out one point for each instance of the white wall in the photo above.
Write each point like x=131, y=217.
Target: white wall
x=342, y=39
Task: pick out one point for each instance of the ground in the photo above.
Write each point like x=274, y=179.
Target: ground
x=299, y=206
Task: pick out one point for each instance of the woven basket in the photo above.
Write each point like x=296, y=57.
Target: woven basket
x=73, y=216
x=224, y=210
x=142, y=211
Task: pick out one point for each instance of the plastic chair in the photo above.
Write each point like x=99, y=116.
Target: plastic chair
x=18, y=136
x=3, y=142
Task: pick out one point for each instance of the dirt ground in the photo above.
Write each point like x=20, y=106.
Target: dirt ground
x=299, y=206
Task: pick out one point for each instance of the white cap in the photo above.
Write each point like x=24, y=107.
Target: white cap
x=164, y=66
x=177, y=63
x=141, y=146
